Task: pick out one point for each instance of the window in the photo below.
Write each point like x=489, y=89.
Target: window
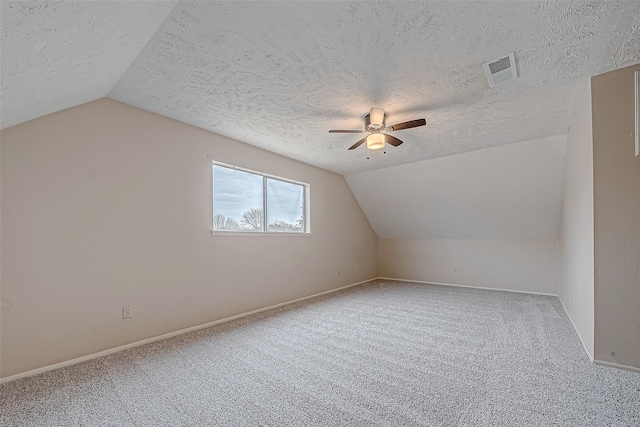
x=248, y=201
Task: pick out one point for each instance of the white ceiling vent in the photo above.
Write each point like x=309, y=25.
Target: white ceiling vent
x=501, y=70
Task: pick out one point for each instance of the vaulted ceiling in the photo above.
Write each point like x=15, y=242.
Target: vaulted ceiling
x=279, y=75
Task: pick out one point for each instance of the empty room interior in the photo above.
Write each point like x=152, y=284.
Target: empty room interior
x=320, y=213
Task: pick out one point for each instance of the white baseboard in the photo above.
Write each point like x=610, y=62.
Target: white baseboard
x=584, y=346
x=469, y=286
x=168, y=335
x=271, y=307
x=615, y=365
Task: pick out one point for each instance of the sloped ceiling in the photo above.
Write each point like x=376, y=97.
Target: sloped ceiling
x=279, y=75
x=57, y=55
x=509, y=192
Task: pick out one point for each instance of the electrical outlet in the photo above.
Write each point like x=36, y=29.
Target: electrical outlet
x=126, y=312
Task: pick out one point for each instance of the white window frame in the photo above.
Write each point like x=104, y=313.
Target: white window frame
x=265, y=232
x=636, y=79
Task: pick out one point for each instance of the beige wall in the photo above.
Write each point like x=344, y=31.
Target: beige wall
x=512, y=191
x=575, y=241
x=106, y=205
x=617, y=219
x=514, y=264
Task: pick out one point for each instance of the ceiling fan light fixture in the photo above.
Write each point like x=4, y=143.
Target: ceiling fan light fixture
x=375, y=141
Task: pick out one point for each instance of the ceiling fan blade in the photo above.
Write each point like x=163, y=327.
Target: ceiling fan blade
x=359, y=143
x=392, y=140
x=408, y=125
x=347, y=131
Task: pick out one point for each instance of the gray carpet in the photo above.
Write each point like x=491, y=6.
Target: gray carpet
x=382, y=354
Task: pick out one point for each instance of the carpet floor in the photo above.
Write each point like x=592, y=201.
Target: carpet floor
x=381, y=354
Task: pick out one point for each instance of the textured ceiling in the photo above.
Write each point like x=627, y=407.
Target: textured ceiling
x=57, y=55
x=279, y=75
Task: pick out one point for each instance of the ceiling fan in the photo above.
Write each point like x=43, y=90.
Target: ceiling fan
x=375, y=124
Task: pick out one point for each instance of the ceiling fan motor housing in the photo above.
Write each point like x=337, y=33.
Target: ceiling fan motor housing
x=374, y=126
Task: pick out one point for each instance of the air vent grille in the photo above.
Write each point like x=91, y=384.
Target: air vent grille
x=499, y=65
x=501, y=70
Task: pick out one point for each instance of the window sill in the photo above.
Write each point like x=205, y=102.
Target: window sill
x=256, y=233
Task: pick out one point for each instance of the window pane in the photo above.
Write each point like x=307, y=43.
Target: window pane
x=285, y=206
x=237, y=200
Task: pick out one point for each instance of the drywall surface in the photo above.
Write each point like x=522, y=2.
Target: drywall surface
x=292, y=70
x=280, y=74
x=105, y=205
x=575, y=242
x=617, y=219
x=520, y=265
x=56, y=55
x=508, y=192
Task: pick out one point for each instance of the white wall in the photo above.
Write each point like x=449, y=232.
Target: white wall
x=486, y=218
x=616, y=196
x=521, y=265
x=509, y=192
x=106, y=205
x=575, y=243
